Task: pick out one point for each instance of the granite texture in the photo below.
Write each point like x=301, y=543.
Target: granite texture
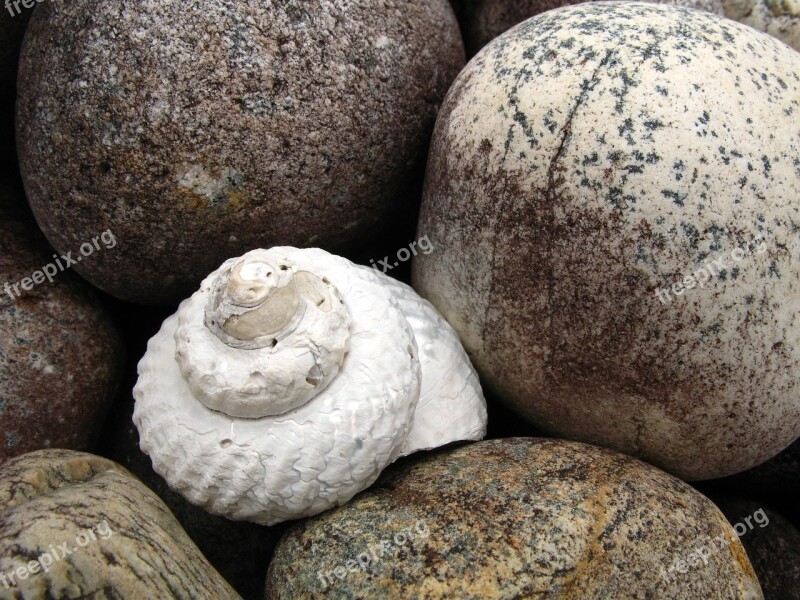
x=484, y=20
x=49, y=502
x=201, y=130
x=515, y=518
x=60, y=353
x=612, y=195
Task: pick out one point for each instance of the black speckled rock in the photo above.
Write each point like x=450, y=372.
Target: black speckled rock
x=612, y=194
x=484, y=20
x=516, y=518
x=772, y=544
x=73, y=525
x=203, y=129
x=60, y=355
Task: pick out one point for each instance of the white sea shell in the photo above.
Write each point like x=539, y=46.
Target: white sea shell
x=292, y=378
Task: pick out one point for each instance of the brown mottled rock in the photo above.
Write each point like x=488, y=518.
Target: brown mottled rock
x=105, y=533
x=201, y=130
x=615, y=225
x=515, y=518
x=484, y=20
x=60, y=354
x=772, y=544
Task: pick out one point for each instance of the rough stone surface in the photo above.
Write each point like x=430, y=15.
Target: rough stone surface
x=54, y=497
x=586, y=160
x=514, y=518
x=780, y=18
x=484, y=20
x=772, y=544
x=60, y=355
x=201, y=130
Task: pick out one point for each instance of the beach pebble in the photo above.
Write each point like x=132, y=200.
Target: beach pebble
x=612, y=195
x=516, y=518
x=200, y=130
x=74, y=525
x=60, y=354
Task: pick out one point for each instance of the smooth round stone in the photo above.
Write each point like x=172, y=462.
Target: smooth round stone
x=612, y=195
x=484, y=20
x=60, y=354
x=772, y=544
x=120, y=540
x=515, y=518
x=201, y=130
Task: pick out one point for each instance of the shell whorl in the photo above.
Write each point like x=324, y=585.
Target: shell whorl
x=270, y=337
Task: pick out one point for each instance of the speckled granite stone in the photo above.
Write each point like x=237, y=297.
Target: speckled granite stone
x=51, y=499
x=484, y=20
x=514, y=518
x=772, y=544
x=586, y=162
x=780, y=18
x=60, y=355
x=203, y=129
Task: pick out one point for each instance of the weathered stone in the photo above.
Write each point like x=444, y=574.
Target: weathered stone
x=612, y=195
x=106, y=534
x=60, y=355
x=201, y=130
x=515, y=518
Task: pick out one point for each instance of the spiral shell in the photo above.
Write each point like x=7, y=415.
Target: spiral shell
x=292, y=378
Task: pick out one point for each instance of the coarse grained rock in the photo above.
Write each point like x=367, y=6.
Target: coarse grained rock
x=60, y=354
x=204, y=129
x=515, y=518
x=484, y=20
x=612, y=194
